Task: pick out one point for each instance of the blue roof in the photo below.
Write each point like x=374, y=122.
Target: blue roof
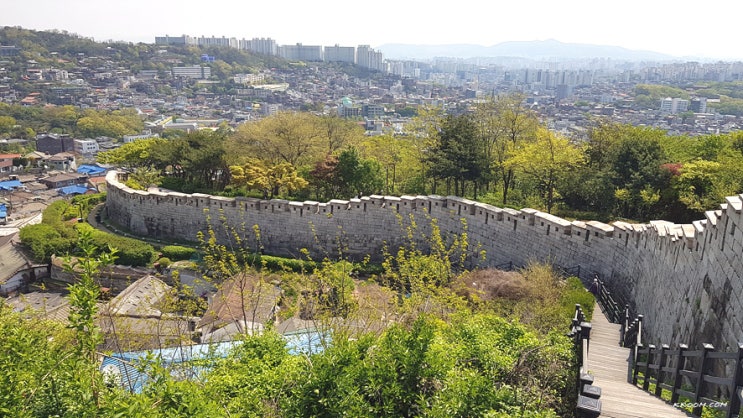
x=9, y=184
x=126, y=368
x=91, y=170
x=73, y=190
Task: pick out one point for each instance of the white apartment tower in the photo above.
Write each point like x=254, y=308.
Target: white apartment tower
x=265, y=46
x=340, y=54
x=301, y=52
x=367, y=57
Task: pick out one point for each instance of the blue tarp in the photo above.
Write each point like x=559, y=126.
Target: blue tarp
x=91, y=170
x=3, y=211
x=9, y=184
x=73, y=190
x=126, y=369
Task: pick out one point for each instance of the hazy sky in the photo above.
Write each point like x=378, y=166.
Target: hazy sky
x=708, y=29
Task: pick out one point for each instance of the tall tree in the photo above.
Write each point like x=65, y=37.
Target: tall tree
x=196, y=159
x=504, y=124
x=131, y=155
x=339, y=133
x=547, y=160
x=290, y=137
x=458, y=155
x=423, y=132
x=357, y=175
x=269, y=179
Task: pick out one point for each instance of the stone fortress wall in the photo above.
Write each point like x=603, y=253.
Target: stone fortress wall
x=685, y=279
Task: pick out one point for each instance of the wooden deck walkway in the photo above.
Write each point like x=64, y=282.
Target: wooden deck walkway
x=607, y=362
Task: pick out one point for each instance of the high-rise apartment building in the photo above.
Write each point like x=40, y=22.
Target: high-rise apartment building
x=301, y=52
x=265, y=46
x=699, y=105
x=340, y=54
x=175, y=40
x=214, y=41
x=675, y=105
x=367, y=57
x=192, y=71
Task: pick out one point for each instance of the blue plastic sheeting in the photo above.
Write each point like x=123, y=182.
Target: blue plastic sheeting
x=128, y=371
x=306, y=342
x=3, y=211
x=9, y=184
x=91, y=170
x=73, y=190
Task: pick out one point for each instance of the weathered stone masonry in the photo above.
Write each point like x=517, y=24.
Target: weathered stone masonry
x=686, y=279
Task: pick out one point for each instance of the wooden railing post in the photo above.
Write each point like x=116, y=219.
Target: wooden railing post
x=734, y=403
x=706, y=348
x=677, y=378
x=648, y=362
x=585, y=335
x=631, y=328
x=636, y=369
x=639, y=328
x=659, y=373
x=625, y=324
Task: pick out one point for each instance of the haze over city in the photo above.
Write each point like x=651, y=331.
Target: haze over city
x=707, y=31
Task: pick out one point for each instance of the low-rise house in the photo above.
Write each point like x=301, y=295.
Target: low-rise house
x=10, y=185
x=64, y=179
x=36, y=158
x=140, y=318
x=63, y=161
x=16, y=271
x=6, y=163
x=242, y=305
x=97, y=183
x=45, y=305
x=74, y=190
x=92, y=170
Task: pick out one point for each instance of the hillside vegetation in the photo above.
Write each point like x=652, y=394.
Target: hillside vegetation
x=441, y=341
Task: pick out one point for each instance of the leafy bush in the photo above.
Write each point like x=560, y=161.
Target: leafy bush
x=44, y=240
x=52, y=235
x=164, y=262
x=273, y=263
x=177, y=252
x=89, y=200
x=55, y=212
x=574, y=292
x=131, y=252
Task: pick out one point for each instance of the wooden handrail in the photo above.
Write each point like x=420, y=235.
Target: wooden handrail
x=667, y=369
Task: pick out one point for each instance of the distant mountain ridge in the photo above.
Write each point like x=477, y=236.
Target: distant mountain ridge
x=535, y=50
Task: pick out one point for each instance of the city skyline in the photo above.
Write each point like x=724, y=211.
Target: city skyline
x=634, y=25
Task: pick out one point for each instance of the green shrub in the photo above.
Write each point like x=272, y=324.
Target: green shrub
x=55, y=212
x=87, y=201
x=273, y=263
x=177, y=252
x=44, y=240
x=164, y=262
x=52, y=235
x=573, y=293
x=131, y=252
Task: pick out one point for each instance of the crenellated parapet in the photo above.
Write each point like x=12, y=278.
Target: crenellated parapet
x=686, y=276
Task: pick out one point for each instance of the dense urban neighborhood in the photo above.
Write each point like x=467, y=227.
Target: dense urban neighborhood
x=289, y=230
